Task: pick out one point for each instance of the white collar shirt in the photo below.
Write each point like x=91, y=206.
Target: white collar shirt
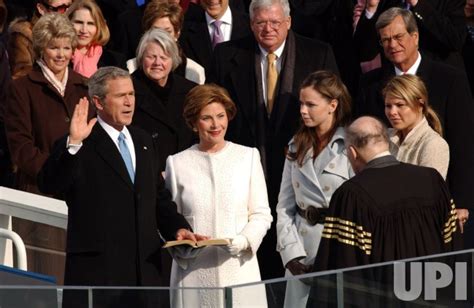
x=412, y=70
x=226, y=26
x=114, y=134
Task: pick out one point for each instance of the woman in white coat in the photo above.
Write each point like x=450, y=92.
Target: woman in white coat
x=220, y=188
x=316, y=165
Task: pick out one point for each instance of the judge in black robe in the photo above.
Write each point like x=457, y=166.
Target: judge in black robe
x=388, y=211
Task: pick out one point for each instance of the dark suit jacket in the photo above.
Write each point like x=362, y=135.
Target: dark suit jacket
x=112, y=58
x=441, y=25
x=234, y=69
x=450, y=97
x=163, y=120
x=196, y=41
x=127, y=31
x=467, y=53
x=112, y=237
x=330, y=21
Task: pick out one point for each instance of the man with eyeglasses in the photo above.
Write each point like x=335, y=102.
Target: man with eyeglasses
x=262, y=73
x=20, y=44
x=441, y=25
x=59, y=6
x=449, y=95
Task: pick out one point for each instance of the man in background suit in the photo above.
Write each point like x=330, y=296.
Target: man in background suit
x=268, y=119
x=199, y=37
x=441, y=25
x=449, y=95
x=115, y=194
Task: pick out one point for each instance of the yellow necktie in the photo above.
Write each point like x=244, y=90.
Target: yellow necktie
x=272, y=77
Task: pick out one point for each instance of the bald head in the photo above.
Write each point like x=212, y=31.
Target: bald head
x=366, y=137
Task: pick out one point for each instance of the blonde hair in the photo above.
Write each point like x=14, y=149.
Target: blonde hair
x=412, y=90
x=102, y=35
x=52, y=26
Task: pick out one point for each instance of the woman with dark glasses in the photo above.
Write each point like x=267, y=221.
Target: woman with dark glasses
x=20, y=43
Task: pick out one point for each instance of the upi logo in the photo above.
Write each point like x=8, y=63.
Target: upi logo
x=436, y=275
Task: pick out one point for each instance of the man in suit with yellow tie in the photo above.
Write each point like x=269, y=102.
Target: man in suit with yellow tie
x=262, y=73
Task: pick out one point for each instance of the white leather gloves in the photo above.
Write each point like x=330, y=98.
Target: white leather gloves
x=237, y=245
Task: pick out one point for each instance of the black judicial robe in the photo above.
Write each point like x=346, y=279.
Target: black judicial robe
x=389, y=211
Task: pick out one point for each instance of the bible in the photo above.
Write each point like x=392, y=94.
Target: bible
x=198, y=244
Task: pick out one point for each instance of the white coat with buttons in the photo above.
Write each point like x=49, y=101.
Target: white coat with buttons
x=312, y=184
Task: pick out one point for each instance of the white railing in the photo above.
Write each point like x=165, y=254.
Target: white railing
x=22, y=262
x=15, y=203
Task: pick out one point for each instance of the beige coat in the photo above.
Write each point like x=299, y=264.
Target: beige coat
x=423, y=147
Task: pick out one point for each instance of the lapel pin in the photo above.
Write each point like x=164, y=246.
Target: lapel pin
x=145, y=148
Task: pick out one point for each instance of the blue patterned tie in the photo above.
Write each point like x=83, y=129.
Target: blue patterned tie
x=127, y=158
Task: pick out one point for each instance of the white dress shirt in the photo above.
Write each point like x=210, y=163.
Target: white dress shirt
x=412, y=70
x=226, y=26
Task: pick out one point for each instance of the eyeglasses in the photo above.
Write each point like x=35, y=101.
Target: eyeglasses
x=274, y=24
x=385, y=41
x=59, y=9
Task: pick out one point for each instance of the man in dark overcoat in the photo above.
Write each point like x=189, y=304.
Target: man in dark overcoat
x=241, y=66
x=109, y=176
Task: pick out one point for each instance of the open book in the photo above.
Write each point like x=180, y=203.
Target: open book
x=211, y=242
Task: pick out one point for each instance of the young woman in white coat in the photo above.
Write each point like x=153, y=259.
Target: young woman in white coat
x=220, y=188
x=315, y=166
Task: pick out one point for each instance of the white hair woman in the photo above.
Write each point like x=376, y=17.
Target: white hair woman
x=160, y=93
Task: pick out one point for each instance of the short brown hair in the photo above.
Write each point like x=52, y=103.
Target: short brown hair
x=389, y=15
x=102, y=35
x=203, y=95
x=159, y=9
